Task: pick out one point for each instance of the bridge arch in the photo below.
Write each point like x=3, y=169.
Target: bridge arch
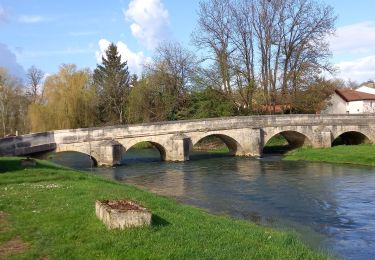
x=232, y=144
x=285, y=140
x=93, y=157
x=161, y=148
x=351, y=137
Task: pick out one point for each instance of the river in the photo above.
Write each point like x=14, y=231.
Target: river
x=331, y=207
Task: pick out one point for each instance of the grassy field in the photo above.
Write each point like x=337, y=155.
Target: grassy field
x=277, y=144
x=211, y=144
x=353, y=154
x=142, y=145
x=47, y=212
x=277, y=140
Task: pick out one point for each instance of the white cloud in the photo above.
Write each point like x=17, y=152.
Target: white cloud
x=150, y=21
x=356, y=38
x=8, y=60
x=359, y=70
x=135, y=60
x=31, y=19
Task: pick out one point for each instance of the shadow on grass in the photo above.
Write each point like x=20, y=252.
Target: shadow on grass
x=157, y=221
x=9, y=164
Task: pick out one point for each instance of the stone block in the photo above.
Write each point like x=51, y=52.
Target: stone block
x=180, y=148
x=121, y=214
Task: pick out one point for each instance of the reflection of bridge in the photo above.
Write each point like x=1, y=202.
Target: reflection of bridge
x=243, y=135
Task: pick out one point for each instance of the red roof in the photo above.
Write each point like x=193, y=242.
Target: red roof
x=352, y=95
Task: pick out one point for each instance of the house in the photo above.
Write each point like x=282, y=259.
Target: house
x=366, y=89
x=348, y=101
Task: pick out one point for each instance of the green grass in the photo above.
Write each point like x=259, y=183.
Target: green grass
x=52, y=209
x=142, y=145
x=352, y=154
x=212, y=144
x=277, y=144
x=277, y=140
x=220, y=149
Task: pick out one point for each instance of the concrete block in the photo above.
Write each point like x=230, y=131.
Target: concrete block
x=121, y=214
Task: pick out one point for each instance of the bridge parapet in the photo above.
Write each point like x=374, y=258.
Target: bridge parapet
x=27, y=144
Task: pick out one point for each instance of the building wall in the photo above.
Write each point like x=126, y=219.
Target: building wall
x=355, y=107
x=336, y=105
x=369, y=106
x=339, y=106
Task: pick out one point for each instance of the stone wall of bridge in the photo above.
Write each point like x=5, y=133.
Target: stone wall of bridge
x=244, y=136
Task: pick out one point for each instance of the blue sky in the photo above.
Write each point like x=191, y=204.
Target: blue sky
x=49, y=33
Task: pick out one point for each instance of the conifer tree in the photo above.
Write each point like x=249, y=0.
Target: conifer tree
x=112, y=81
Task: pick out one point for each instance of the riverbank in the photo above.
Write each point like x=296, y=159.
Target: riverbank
x=48, y=212
x=363, y=154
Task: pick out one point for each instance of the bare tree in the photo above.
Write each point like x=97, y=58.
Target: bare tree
x=306, y=53
x=242, y=38
x=279, y=45
x=12, y=104
x=179, y=63
x=171, y=75
x=34, y=78
x=213, y=33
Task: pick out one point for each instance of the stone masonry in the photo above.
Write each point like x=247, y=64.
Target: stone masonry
x=244, y=136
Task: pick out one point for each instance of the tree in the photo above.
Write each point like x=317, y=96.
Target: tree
x=147, y=102
x=209, y=103
x=243, y=40
x=278, y=45
x=70, y=101
x=34, y=78
x=13, y=105
x=314, y=98
x=112, y=81
x=172, y=74
x=163, y=90
x=213, y=34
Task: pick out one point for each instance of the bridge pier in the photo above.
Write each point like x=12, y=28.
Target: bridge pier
x=179, y=151
x=110, y=153
x=252, y=142
x=325, y=139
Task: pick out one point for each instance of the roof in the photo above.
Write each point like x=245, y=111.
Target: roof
x=352, y=95
x=366, y=89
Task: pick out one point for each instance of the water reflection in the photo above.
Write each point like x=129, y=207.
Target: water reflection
x=331, y=206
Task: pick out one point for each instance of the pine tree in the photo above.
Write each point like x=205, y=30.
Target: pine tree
x=112, y=81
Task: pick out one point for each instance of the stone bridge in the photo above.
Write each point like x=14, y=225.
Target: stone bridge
x=244, y=136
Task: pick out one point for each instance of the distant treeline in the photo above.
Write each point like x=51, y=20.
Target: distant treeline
x=257, y=57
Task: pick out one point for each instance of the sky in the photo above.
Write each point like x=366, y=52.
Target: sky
x=49, y=33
